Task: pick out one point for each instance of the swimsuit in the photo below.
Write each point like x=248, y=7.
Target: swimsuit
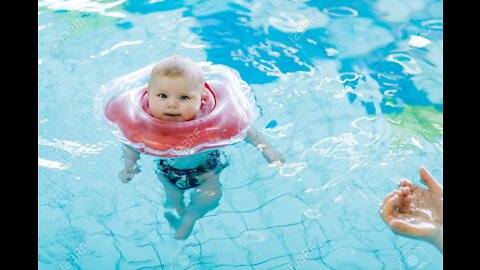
x=188, y=178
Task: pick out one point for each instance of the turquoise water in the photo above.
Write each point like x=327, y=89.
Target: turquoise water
x=351, y=93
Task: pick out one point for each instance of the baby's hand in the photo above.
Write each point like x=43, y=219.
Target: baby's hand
x=271, y=155
x=414, y=211
x=126, y=175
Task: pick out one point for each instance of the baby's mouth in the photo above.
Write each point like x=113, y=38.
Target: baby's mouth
x=172, y=114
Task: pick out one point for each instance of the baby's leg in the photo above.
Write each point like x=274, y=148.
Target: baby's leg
x=173, y=195
x=203, y=199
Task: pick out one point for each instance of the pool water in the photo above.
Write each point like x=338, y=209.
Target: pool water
x=351, y=93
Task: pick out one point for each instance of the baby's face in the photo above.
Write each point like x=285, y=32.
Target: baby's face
x=175, y=99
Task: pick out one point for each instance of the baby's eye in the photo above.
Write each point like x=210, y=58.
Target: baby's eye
x=184, y=97
x=162, y=95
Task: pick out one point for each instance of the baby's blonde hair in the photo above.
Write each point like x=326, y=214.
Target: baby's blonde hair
x=177, y=66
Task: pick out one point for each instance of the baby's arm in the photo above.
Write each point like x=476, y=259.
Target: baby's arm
x=130, y=157
x=258, y=140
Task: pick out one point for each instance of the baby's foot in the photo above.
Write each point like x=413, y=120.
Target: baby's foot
x=185, y=228
x=126, y=175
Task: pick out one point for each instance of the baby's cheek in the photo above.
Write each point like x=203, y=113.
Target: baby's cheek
x=193, y=106
x=156, y=113
x=192, y=110
x=156, y=110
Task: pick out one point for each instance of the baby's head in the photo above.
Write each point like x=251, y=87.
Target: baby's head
x=175, y=89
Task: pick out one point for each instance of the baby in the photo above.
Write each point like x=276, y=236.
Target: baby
x=175, y=93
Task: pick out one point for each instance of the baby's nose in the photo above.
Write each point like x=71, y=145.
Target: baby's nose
x=172, y=103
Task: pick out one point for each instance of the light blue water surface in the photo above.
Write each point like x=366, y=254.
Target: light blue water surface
x=351, y=93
